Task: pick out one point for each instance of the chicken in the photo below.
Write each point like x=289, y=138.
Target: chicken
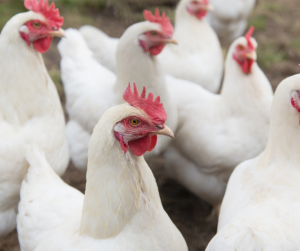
x=229, y=18
x=30, y=109
x=121, y=208
x=197, y=58
x=260, y=210
x=91, y=89
x=217, y=132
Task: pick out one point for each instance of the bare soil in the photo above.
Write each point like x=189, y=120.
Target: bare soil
x=277, y=32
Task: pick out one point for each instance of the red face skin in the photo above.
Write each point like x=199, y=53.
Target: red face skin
x=139, y=134
x=295, y=101
x=38, y=35
x=154, y=42
x=240, y=56
x=198, y=8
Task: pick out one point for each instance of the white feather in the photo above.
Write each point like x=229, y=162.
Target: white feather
x=217, y=132
x=260, y=210
x=91, y=89
x=121, y=209
x=30, y=113
x=229, y=18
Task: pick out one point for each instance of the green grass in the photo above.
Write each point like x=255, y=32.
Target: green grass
x=272, y=6
x=269, y=55
x=295, y=43
x=9, y=8
x=259, y=22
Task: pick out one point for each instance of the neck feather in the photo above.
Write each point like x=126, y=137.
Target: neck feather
x=283, y=143
x=135, y=65
x=25, y=86
x=243, y=92
x=188, y=29
x=117, y=183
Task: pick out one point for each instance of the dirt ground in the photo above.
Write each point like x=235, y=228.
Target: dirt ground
x=277, y=32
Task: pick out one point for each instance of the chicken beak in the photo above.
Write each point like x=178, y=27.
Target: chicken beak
x=170, y=41
x=165, y=131
x=209, y=7
x=251, y=55
x=57, y=33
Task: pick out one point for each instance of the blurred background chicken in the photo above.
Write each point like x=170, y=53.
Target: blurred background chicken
x=121, y=208
x=230, y=18
x=197, y=58
x=30, y=109
x=217, y=132
x=260, y=210
x=91, y=88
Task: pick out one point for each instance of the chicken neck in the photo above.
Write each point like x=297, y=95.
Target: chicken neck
x=245, y=93
x=25, y=86
x=283, y=144
x=118, y=184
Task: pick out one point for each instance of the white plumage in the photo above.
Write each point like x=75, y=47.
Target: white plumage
x=103, y=47
x=30, y=113
x=91, y=89
x=217, y=132
x=121, y=209
x=198, y=56
x=229, y=18
x=260, y=210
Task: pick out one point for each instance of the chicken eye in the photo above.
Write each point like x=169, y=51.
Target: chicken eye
x=36, y=25
x=153, y=33
x=240, y=47
x=134, y=122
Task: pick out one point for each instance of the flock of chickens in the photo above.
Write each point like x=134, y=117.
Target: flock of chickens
x=242, y=136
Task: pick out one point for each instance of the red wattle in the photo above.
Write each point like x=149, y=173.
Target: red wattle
x=142, y=145
x=200, y=14
x=155, y=50
x=153, y=143
x=245, y=64
x=42, y=45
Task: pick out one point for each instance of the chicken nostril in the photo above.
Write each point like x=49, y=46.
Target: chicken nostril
x=159, y=127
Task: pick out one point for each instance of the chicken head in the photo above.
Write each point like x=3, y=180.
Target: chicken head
x=154, y=40
x=245, y=52
x=198, y=8
x=139, y=131
x=40, y=31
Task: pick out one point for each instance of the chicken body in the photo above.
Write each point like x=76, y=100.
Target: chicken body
x=30, y=113
x=91, y=88
x=121, y=208
x=217, y=132
x=198, y=56
x=262, y=201
x=229, y=18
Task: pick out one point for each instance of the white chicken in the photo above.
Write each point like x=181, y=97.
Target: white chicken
x=229, y=18
x=30, y=109
x=217, y=132
x=197, y=58
x=91, y=89
x=260, y=210
x=121, y=208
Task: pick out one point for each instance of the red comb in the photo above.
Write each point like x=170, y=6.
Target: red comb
x=248, y=37
x=154, y=109
x=163, y=20
x=49, y=12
